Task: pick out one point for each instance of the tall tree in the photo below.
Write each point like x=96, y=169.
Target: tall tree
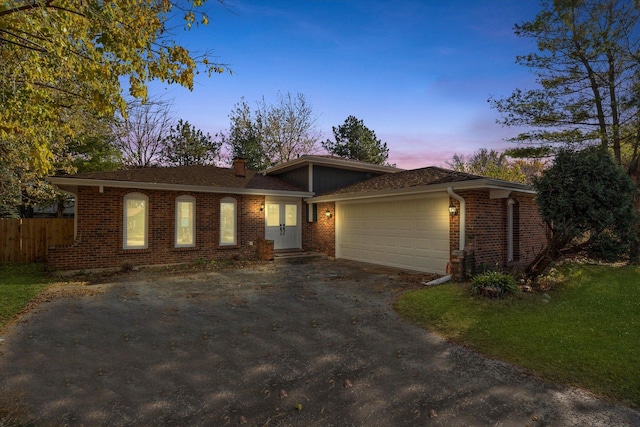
x=489, y=163
x=62, y=57
x=141, y=134
x=272, y=133
x=24, y=187
x=187, y=146
x=587, y=66
x=353, y=140
x=244, y=139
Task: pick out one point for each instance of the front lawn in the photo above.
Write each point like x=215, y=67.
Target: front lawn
x=585, y=332
x=19, y=284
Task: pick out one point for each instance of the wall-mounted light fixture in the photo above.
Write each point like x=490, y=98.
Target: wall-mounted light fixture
x=261, y=207
x=327, y=213
x=453, y=211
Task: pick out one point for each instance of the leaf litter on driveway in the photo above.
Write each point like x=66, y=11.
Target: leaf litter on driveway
x=266, y=344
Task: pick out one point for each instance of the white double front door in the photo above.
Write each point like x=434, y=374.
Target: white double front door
x=282, y=219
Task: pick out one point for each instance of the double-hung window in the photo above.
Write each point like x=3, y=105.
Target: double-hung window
x=136, y=221
x=185, y=235
x=228, y=226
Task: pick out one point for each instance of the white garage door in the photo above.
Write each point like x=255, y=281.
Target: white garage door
x=404, y=233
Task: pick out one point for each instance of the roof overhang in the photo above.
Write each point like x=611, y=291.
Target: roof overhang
x=71, y=185
x=496, y=186
x=330, y=162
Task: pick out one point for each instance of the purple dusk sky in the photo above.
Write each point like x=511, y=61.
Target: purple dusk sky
x=418, y=73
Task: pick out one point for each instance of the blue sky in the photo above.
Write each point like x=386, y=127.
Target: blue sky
x=418, y=73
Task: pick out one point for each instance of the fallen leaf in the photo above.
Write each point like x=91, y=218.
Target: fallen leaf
x=347, y=383
x=283, y=394
x=243, y=420
x=299, y=406
x=433, y=413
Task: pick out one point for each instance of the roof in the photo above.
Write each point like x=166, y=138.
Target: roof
x=417, y=181
x=183, y=178
x=330, y=161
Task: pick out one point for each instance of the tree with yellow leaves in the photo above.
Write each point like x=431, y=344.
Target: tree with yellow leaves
x=60, y=58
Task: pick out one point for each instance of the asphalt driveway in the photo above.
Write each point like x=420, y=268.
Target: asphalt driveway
x=312, y=343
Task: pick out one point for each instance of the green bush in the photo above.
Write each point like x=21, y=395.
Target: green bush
x=608, y=247
x=494, y=284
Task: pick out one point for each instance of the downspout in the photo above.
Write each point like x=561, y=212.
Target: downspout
x=463, y=218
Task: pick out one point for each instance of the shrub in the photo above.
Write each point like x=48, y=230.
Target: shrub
x=493, y=284
x=608, y=247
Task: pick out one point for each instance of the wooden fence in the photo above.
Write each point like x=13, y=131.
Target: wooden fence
x=28, y=239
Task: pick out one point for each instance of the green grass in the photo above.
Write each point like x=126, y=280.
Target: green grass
x=19, y=284
x=586, y=334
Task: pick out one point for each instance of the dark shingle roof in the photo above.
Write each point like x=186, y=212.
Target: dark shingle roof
x=407, y=179
x=205, y=176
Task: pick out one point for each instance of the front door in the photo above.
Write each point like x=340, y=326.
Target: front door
x=283, y=223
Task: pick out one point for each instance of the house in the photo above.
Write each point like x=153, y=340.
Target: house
x=429, y=219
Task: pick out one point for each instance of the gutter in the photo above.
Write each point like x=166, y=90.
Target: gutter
x=77, y=182
x=428, y=188
x=463, y=217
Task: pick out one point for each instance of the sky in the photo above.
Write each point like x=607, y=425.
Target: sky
x=418, y=73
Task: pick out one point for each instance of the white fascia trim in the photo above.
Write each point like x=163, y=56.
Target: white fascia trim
x=324, y=161
x=78, y=182
x=462, y=185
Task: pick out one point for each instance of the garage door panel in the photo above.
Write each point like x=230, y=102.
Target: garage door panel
x=406, y=243
x=410, y=233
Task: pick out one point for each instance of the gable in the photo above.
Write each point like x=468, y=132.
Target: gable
x=323, y=174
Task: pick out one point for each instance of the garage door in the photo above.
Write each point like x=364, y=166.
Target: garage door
x=404, y=233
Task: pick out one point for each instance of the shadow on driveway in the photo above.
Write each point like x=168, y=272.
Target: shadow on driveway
x=298, y=343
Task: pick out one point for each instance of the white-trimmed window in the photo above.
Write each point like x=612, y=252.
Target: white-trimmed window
x=136, y=221
x=510, y=204
x=228, y=229
x=185, y=236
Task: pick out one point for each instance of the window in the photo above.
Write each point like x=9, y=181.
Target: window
x=228, y=229
x=136, y=219
x=185, y=221
x=510, y=204
x=513, y=230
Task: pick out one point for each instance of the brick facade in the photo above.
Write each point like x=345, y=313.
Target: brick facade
x=100, y=223
x=487, y=232
x=99, y=240
x=322, y=233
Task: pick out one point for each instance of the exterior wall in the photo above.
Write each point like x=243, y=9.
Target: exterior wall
x=99, y=239
x=299, y=177
x=532, y=236
x=487, y=232
x=327, y=179
x=322, y=233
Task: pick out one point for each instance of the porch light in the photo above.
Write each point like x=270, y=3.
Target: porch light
x=327, y=213
x=261, y=207
x=453, y=211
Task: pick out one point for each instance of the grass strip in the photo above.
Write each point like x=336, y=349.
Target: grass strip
x=585, y=332
x=19, y=284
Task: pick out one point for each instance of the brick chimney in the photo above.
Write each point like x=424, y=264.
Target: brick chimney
x=240, y=167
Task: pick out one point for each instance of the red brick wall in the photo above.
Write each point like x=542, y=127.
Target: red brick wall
x=100, y=230
x=533, y=231
x=322, y=233
x=487, y=227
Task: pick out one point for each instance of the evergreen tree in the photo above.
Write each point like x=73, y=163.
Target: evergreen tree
x=353, y=140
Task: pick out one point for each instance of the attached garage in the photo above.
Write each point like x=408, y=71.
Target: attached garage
x=403, y=232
